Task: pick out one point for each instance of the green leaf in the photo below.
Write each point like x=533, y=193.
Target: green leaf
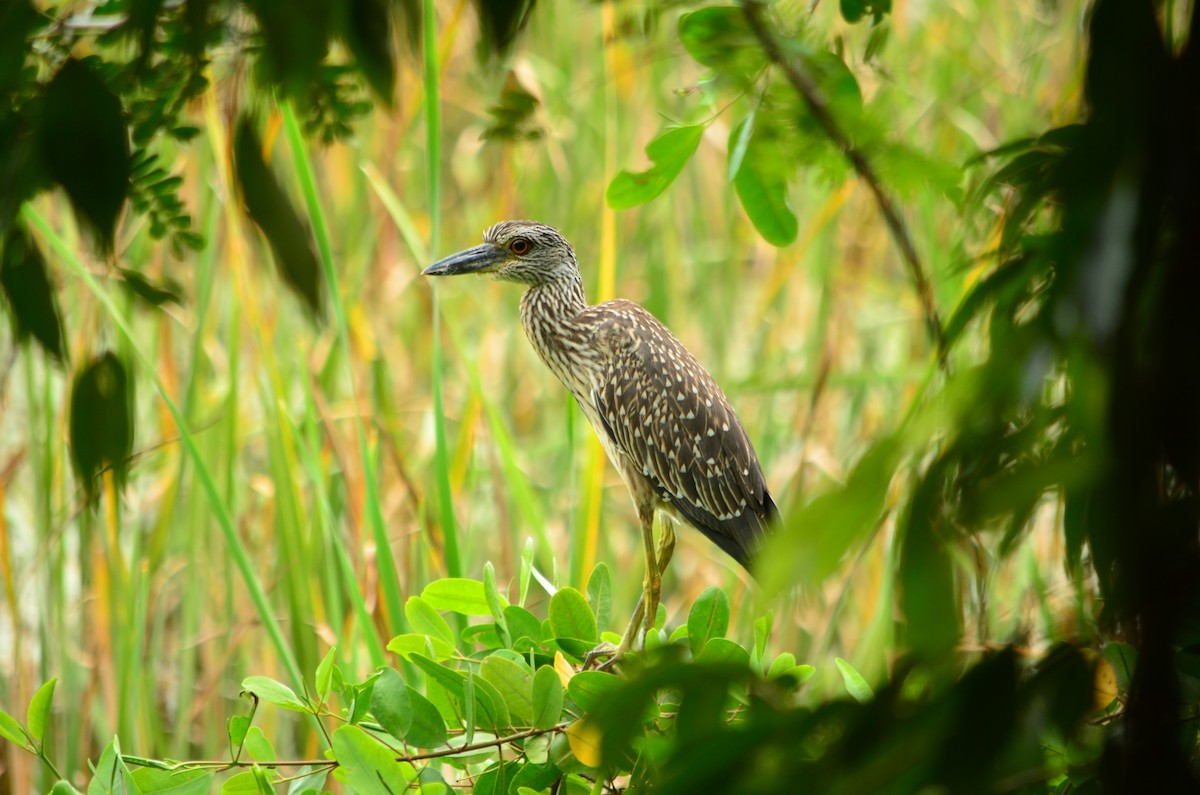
x=269, y=207
x=244, y=783
x=801, y=673
x=928, y=593
x=495, y=603
x=11, y=730
x=547, y=697
x=64, y=788
x=390, y=704
x=324, y=675
x=722, y=650
x=258, y=746
x=236, y=728
x=599, y=591
x=25, y=282
x=522, y=624
x=459, y=595
x=407, y=645
x=101, y=421
x=708, y=618
x=669, y=152
x=85, y=147
x=526, y=571
x=153, y=294
x=720, y=38
x=762, y=632
x=426, y=729
x=781, y=665
x=37, y=716
x=366, y=765
x=856, y=686
x=761, y=182
x=424, y=619
x=110, y=775
x=274, y=692
x=589, y=689
x=367, y=31
x=570, y=616
x=514, y=683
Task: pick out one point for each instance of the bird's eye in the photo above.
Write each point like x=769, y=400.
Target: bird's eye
x=519, y=246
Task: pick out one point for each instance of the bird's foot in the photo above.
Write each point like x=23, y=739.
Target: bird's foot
x=603, y=657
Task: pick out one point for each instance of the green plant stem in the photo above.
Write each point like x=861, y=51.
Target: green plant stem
x=308, y=183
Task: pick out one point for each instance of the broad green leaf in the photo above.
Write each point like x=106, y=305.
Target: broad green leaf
x=101, y=421
x=366, y=765
x=390, y=704
x=708, y=618
x=547, y=697
x=324, y=676
x=244, y=783
x=427, y=729
x=64, y=788
x=236, y=728
x=720, y=38
x=85, y=146
x=306, y=781
x=514, y=683
x=258, y=746
x=495, y=780
x=425, y=620
x=274, y=692
x=494, y=712
x=739, y=141
x=110, y=774
x=722, y=650
x=457, y=594
x=781, y=665
x=801, y=673
x=589, y=689
x=264, y=779
x=761, y=183
x=522, y=624
x=536, y=777
x=407, y=645
x=10, y=729
x=669, y=152
x=570, y=616
x=32, y=302
x=271, y=209
x=490, y=708
x=856, y=686
x=599, y=591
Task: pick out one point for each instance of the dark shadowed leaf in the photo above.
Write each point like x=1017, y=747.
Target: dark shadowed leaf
x=268, y=205
x=17, y=20
x=854, y=10
x=927, y=591
x=500, y=22
x=368, y=35
x=26, y=284
x=85, y=147
x=101, y=421
x=669, y=151
x=153, y=294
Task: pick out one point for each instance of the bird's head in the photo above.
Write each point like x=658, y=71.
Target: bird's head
x=514, y=251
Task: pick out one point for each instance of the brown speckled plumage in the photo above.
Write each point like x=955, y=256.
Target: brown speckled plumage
x=664, y=422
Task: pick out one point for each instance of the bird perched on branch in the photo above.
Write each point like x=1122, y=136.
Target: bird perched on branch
x=664, y=422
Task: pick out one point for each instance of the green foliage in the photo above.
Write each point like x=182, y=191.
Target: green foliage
x=507, y=725
x=101, y=421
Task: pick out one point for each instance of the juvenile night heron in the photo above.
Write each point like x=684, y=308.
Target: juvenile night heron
x=664, y=422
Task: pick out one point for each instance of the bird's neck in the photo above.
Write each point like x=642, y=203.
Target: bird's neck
x=555, y=302
x=548, y=312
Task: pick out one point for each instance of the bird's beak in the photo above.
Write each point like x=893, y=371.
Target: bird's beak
x=480, y=259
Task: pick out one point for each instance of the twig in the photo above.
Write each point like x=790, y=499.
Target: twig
x=807, y=87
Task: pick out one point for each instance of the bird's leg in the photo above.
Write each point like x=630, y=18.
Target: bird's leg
x=662, y=556
x=652, y=585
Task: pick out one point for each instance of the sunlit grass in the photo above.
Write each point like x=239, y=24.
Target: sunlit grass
x=296, y=483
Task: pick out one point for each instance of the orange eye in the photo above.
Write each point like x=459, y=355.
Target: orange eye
x=519, y=246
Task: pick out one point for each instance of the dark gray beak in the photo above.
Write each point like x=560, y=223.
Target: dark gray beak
x=480, y=259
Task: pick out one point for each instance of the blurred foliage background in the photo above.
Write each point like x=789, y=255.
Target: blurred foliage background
x=212, y=466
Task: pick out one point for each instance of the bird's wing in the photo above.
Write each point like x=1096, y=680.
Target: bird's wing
x=672, y=422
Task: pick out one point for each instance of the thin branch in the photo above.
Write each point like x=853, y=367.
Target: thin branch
x=798, y=75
